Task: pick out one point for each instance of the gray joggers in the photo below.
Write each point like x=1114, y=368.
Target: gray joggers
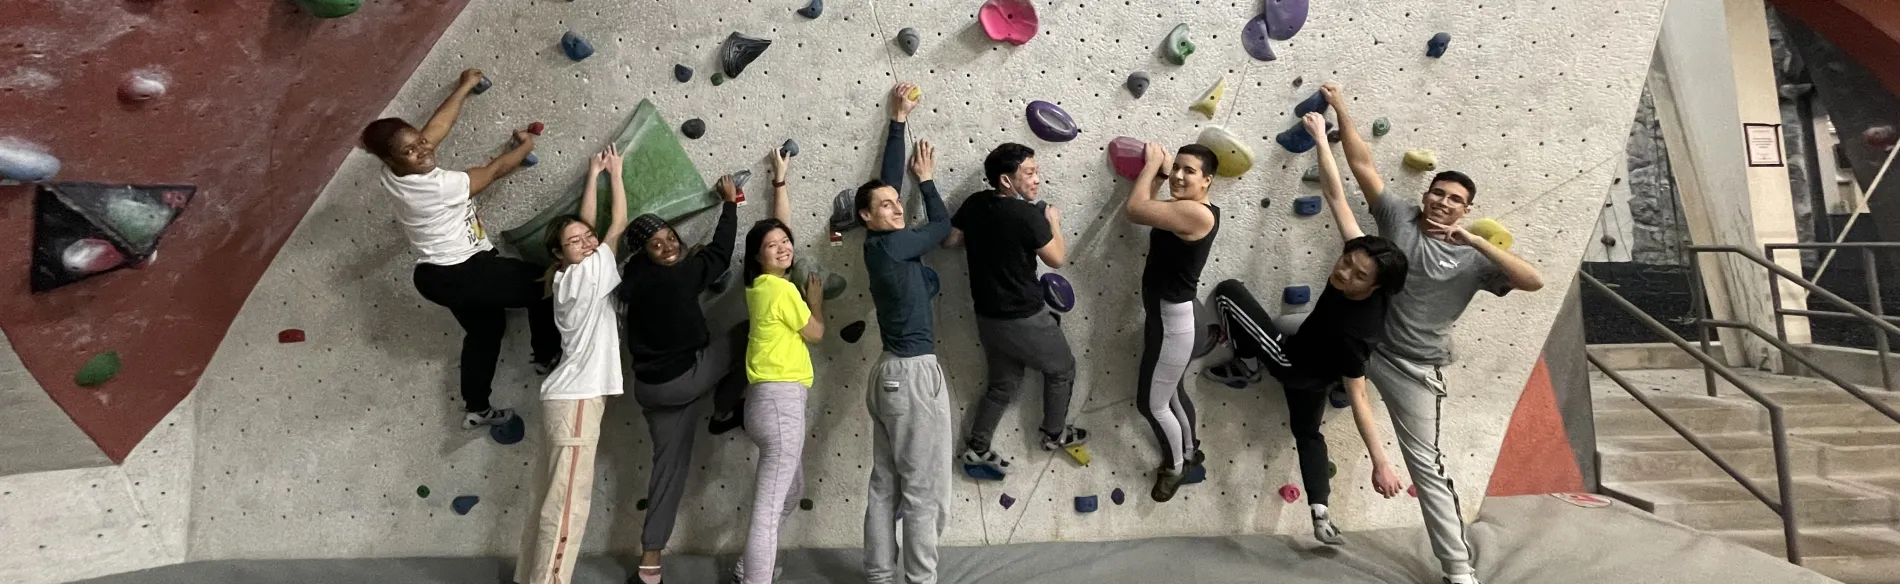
x=1413, y=394
x=1010, y=345
x=671, y=410
x=775, y=420
x=910, y=472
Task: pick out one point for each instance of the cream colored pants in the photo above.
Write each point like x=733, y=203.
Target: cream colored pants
x=552, y=543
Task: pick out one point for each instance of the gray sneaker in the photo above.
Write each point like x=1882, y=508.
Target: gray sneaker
x=1071, y=436
x=489, y=417
x=1166, y=482
x=1326, y=532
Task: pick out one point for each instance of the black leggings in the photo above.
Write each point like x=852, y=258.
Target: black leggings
x=1168, y=344
x=1253, y=336
x=478, y=292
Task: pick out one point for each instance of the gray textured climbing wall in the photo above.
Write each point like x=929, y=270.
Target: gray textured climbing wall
x=316, y=448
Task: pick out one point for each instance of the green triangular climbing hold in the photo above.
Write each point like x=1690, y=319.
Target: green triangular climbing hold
x=1331, y=470
x=99, y=369
x=330, y=8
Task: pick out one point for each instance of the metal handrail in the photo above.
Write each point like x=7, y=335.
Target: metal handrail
x=1783, y=504
x=1803, y=282
x=1789, y=350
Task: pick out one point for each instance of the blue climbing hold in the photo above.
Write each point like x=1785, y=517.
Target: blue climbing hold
x=1314, y=103
x=1296, y=294
x=983, y=472
x=1338, y=398
x=1435, y=48
x=1085, y=504
x=1006, y=501
x=1297, y=140
x=1057, y=293
x=577, y=48
x=509, y=432
x=1284, y=18
x=1117, y=496
x=462, y=504
x=812, y=10
x=1195, y=474
x=682, y=73
x=1306, y=206
x=1253, y=37
x=1050, y=123
x=482, y=86
x=530, y=160
x=25, y=162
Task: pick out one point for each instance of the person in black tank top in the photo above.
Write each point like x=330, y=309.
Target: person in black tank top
x=1181, y=236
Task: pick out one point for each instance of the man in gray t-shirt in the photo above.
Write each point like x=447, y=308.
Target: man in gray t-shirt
x=1448, y=266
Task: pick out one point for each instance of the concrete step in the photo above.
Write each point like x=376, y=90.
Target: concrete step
x=1853, y=555
x=1668, y=458
x=1713, y=504
x=1704, y=417
x=1848, y=453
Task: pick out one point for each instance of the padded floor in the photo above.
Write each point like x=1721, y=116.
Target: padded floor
x=1532, y=538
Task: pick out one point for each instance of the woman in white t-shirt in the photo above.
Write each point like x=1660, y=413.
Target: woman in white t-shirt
x=585, y=275
x=458, y=268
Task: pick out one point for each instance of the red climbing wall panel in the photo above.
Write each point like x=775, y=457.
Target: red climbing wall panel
x=1535, y=458
x=1867, y=29
x=262, y=105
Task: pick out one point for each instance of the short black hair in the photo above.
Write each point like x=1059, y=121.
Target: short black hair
x=1387, y=260
x=1005, y=159
x=1210, y=163
x=863, y=197
x=754, y=240
x=553, y=241
x=1453, y=176
x=378, y=135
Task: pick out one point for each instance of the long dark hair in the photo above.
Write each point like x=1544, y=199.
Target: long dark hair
x=1387, y=258
x=755, y=240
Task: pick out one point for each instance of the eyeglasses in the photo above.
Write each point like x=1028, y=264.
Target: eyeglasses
x=1438, y=193
x=577, y=241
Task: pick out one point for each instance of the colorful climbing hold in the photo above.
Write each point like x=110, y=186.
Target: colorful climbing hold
x=26, y=162
x=1127, y=156
x=462, y=504
x=1057, y=293
x=1307, y=206
x=1235, y=156
x=852, y=332
x=537, y=128
x=1118, y=496
x=642, y=505
x=1338, y=398
x=1086, y=504
x=1421, y=160
x=482, y=86
x=1289, y=493
x=844, y=211
x=982, y=472
x=530, y=160
x=1332, y=470
x=805, y=504
x=142, y=86
x=1210, y=100
x=1050, y=123
x=693, y=128
x=99, y=369
x=682, y=73
x=329, y=8
x=1177, y=47
x=1296, y=294
x=1412, y=490
x=1284, y=18
x=1381, y=127
x=789, y=148
x=91, y=255
x=909, y=40
x=916, y=93
x=1006, y=501
x=718, y=79
x=509, y=432
x=1253, y=38
x=1078, y=452
x=1435, y=48
x=577, y=48
x=1313, y=103
x=1880, y=138
x=738, y=51
x=1137, y=84
x=1009, y=21
x=1297, y=140
x=290, y=336
x=422, y=491
x=812, y=10
x=1311, y=175
x=1493, y=231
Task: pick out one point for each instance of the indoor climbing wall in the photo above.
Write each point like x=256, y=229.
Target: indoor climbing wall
x=319, y=447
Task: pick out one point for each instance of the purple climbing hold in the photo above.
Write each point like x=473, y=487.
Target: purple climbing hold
x=693, y=128
x=26, y=162
x=1314, y=103
x=1128, y=156
x=738, y=51
x=852, y=332
x=1057, y=293
x=812, y=10
x=1006, y=500
x=1050, y=123
x=1435, y=48
x=1284, y=18
x=1010, y=21
x=462, y=504
x=682, y=73
x=577, y=48
x=508, y=432
x=1253, y=37
x=1117, y=496
x=1086, y=504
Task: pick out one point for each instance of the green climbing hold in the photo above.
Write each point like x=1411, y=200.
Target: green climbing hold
x=101, y=368
x=1331, y=470
x=1177, y=47
x=804, y=504
x=422, y=491
x=330, y=8
x=1381, y=127
x=640, y=506
x=719, y=79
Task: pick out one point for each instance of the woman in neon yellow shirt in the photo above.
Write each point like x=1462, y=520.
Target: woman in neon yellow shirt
x=778, y=365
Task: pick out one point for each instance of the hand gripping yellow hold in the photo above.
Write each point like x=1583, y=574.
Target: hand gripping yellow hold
x=1493, y=231
x=1210, y=100
x=916, y=93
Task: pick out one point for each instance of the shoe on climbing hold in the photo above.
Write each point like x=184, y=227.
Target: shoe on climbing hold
x=982, y=472
x=142, y=86
x=577, y=48
x=509, y=432
x=1338, y=398
x=1421, y=160
x=1196, y=474
x=1057, y=293
x=1296, y=294
x=641, y=505
x=462, y=504
x=738, y=51
x=852, y=332
x=1118, y=496
x=908, y=40
x=1086, y=504
x=330, y=8
x=1284, y=18
x=1177, y=47
x=290, y=336
x=844, y=213
x=682, y=73
x=1127, y=156
x=1210, y=100
x=482, y=86
x=1313, y=103
x=1381, y=127
x=1253, y=37
x=1493, y=231
x=805, y=504
x=789, y=148
x=812, y=10
x=1137, y=84
x=1009, y=21
x=1311, y=175
x=1435, y=48
x=1297, y=140
x=1289, y=493
x=1006, y=501
x=693, y=128
x=1079, y=453
x=1307, y=206
x=99, y=369
x=422, y=491
x=1050, y=123
x=1235, y=156
x=25, y=162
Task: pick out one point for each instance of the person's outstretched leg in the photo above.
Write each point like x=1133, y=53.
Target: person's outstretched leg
x=775, y=415
x=518, y=285
x=1413, y=393
x=672, y=432
x=1256, y=344
x=481, y=345
x=572, y=428
x=1306, y=409
x=727, y=353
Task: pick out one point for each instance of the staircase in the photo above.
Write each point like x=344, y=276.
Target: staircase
x=1844, y=457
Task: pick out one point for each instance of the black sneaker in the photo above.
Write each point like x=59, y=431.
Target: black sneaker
x=1071, y=436
x=733, y=420
x=1237, y=373
x=1166, y=482
x=488, y=417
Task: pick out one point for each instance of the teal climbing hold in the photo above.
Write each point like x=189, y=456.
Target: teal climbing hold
x=718, y=79
x=329, y=8
x=99, y=369
x=1177, y=47
x=1381, y=127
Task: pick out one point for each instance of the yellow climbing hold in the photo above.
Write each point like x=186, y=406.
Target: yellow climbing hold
x=916, y=93
x=1421, y=160
x=1079, y=452
x=1211, y=100
x=1493, y=231
x=1234, y=155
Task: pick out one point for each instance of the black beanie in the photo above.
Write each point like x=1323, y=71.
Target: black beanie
x=643, y=228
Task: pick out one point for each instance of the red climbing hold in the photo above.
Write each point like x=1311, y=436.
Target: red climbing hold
x=1289, y=493
x=1127, y=155
x=1010, y=21
x=290, y=336
x=1880, y=138
x=1412, y=490
x=536, y=128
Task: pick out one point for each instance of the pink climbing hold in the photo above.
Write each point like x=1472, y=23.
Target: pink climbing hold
x=1010, y=21
x=1412, y=490
x=142, y=86
x=1127, y=155
x=90, y=256
x=537, y=128
x=1289, y=493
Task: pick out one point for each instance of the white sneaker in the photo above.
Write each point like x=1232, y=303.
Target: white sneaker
x=491, y=417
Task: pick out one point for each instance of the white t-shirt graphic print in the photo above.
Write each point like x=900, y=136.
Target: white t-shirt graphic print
x=437, y=215
x=590, y=333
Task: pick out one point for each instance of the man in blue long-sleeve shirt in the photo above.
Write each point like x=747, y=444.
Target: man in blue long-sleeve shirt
x=907, y=396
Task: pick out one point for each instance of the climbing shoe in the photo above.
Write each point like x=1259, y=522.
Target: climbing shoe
x=1324, y=530
x=1166, y=482
x=1237, y=373
x=983, y=465
x=1071, y=436
x=489, y=417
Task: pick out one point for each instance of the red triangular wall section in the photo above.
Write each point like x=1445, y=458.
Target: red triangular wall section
x=1535, y=458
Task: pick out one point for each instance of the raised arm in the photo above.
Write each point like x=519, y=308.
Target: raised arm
x=1185, y=218
x=891, y=167
x=481, y=176
x=589, y=210
x=1335, y=192
x=1358, y=154
x=781, y=196
x=917, y=241
x=716, y=257
x=1385, y=480
x=617, y=220
x=445, y=115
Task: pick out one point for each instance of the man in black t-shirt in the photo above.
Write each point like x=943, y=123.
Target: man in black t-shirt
x=1004, y=231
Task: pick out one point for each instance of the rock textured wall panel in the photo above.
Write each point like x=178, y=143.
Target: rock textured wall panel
x=317, y=448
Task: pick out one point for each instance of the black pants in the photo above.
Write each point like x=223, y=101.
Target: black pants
x=479, y=291
x=1253, y=336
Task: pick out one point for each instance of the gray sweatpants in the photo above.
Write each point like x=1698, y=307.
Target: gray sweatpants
x=910, y=467
x=672, y=410
x=775, y=420
x=1035, y=342
x=1414, y=393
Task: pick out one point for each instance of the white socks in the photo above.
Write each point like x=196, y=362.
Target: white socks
x=1319, y=510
